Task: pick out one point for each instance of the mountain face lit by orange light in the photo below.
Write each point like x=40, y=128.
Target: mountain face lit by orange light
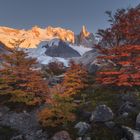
x=35, y=35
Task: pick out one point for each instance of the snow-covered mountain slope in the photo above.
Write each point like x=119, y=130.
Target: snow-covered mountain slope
x=80, y=49
x=49, y=44
x=42, y=57
x=61, y=49
x=55, y=42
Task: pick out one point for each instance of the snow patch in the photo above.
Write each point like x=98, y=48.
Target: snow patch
x=39, y=54
x=53, y=42
x=80, y=49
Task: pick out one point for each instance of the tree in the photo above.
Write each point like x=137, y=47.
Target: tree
x=53, y=68
x=19, y=79
x=124, y=29
x=61, y=106
x=60, y=111
x=121, y=58
x=75, y=79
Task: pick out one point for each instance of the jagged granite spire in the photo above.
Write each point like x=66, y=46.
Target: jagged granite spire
x=84, y=31
x=85, y=38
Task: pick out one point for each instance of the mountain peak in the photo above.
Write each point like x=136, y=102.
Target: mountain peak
x=35, y=35
x=85, y=38
x=63, y=34
x=84, y=31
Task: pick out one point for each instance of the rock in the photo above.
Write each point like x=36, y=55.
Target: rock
x=79, y=138
x=138, y=122
x=63, y=34
x=3, y=110
x=131, y=134
x=19, y=137
x=127, y=107
x=33, y=36
x=129, y=97
x=54, y=81
x=3, y=48
x=124, y=139
x=87, y=138
x=110, y=124
x=60, y=49
x=62, y=135
x=125, y=115
x=89, y=59
x=84, y=114
x=92, y=69
x=82, y=128
x=102, y=113
x=26, y=123
x=39, y=134
x=85, y=38
x=83, y=138
x=1, y=114
x=21, y=121
x=84, y=31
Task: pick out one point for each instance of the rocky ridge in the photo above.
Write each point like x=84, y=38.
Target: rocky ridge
x=32, y=37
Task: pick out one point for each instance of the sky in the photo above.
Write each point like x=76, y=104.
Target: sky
x=70, y=14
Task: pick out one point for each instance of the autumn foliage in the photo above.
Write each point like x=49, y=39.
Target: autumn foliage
x=61, y=105
x=121, y=55
x=53, y=68
x=75, y=79
x=19, y=79
x=60, y=111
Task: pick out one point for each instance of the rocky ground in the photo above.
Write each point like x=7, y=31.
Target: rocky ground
x=102, y=123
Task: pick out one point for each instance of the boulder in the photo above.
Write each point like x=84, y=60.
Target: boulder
x=85, y=115
x=62, y=135
x=87, y=138
x=110, y=124
x=3, y=110
x=79, y=138
x=131, y=134
x=18, y=137
x=24, y=122
x=82, y=128
x=83, y=138
x=127, y=107
x=138, y=122
x=102, y=113
x=35, y=135
x=89, y=59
